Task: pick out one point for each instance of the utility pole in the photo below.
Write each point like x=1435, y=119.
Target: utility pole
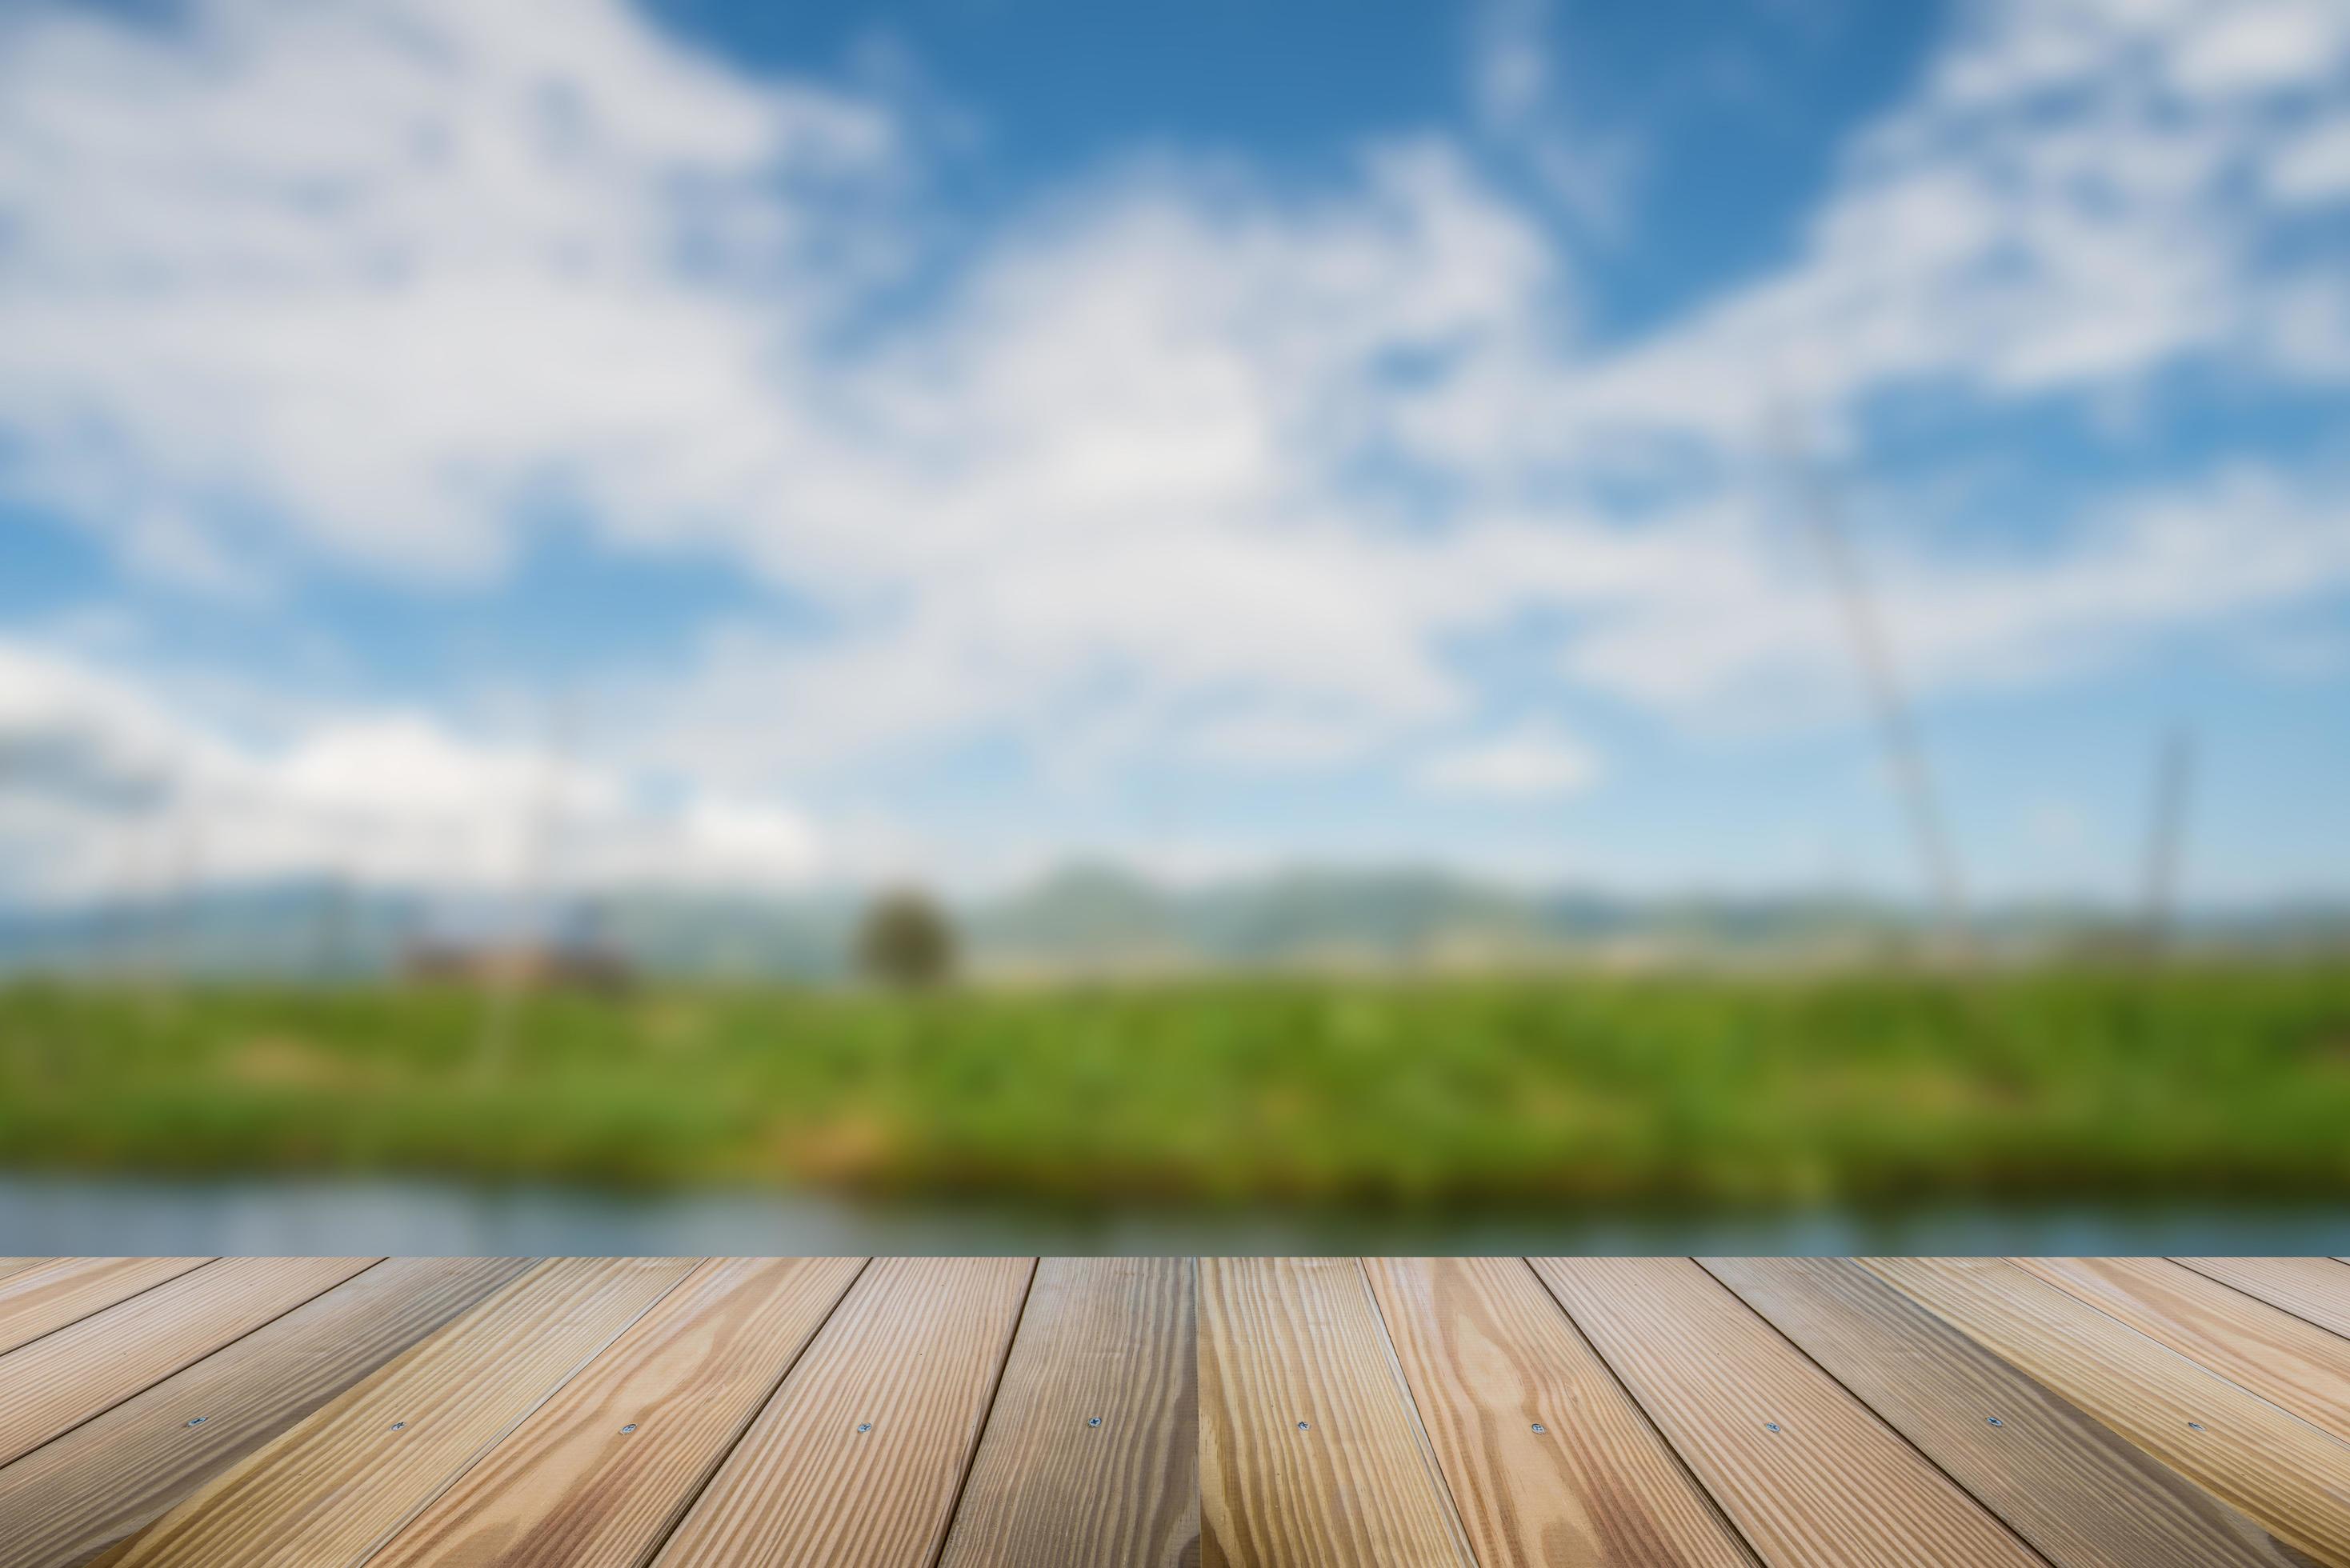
x=505, y=978
x=330, y=962
x=1897, y=732
x=179, y=910
x=2174, y=774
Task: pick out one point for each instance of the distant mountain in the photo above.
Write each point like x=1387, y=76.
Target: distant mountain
x=309, y=929
x=805, y=938
x=1086, y=917
x=1082, y=914
x=1098, y=916
x=1371, y=914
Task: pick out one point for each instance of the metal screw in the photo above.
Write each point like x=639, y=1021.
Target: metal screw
x=1096, y=1421
x=1772, y=1425
x=2194, y=1425
x=398, y=1425
x=199, y=1420
x=863, y=1425
x=1995, y=1421
x=1540, y=1427
x=1302, y=1425
x=627, y=1429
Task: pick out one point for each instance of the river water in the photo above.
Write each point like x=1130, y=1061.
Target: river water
x=42, y=1214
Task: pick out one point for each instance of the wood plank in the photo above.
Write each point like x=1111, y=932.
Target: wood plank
x=2276, y=1467
x=2315, y=1290
x=104, y=1482
x=48, y=1296
x=1091, y=1454
x=2083, y=1495
x=330, y=1490
x=1547, y=1459
x=597, y=1477
x=1310, y=1451
x=2287, y=1362
x=912, y=1357
x=18, y=1266
x=65, y=1377
x=1805, y=1471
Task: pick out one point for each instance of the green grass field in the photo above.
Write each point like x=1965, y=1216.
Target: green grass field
x=2076, y=1083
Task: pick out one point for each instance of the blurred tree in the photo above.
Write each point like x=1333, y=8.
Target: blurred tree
x=905, y=939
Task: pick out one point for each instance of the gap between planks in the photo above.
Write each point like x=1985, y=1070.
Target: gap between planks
x=1804, y=1469
x=1090, y=1454
x=2315, y=1290
x=2080, y=1493
x=333, y=1488
x=109, y=1478
x=2274, y=1467
x=860, y=1453
x=1310, y=1448
x=1548, y=1456
x=600, y=1473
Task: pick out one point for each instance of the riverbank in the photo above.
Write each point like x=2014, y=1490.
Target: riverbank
x=2051, y=1086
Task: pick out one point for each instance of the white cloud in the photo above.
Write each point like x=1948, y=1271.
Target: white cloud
x=105, y=790
x=2070, y=202
x=2315, y=167
x=2269, y=44
x=1175, y=465
x=1530, y=763
x=372, y=274
x=1753, y=646
x=1526, y=110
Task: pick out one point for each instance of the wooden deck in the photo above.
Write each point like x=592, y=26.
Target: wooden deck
x=2084, y=1412
x=593, y=1413
x=1136, y=1413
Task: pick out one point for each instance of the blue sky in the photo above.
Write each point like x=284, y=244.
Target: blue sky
x=772, y=446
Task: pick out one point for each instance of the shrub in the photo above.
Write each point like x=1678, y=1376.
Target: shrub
x=905, y=941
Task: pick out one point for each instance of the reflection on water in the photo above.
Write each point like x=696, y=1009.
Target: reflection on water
x=43, y=1214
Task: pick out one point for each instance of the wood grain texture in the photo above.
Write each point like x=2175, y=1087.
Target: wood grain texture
x=110, y=1559
x=1107, y=1340
x=2290, y=1363
x=91, y=1489
x=17, y=1265
x=48, y=1296
x=914, y=1353
x=2277, y=1469
x=65, y=1377
x=331, y=1490
x=1489, y=1356
x=1832, y=1485
x=1292, y=1341
x=2081, y=1494
x=570, y=1489
x=2316, y=1290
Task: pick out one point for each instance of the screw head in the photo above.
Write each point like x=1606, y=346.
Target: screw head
x=1771, y=1426
x=863, y=1425
x=1094, y=1421
x=199, y=1420
x=1993, y=1421
x=1540, y=1427
x=396, y=1425
x=1302, y=1425
x=629, y=1427
x=2194, y=1425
